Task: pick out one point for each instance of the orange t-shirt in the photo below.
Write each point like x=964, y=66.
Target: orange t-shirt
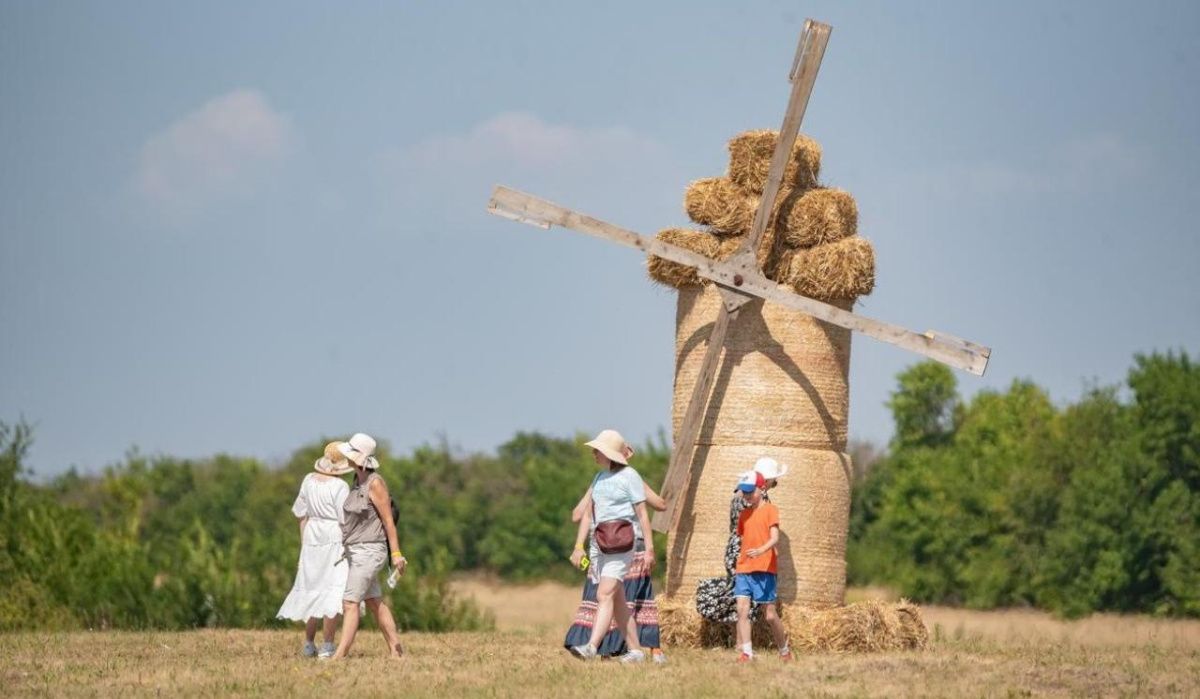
x=754, y=526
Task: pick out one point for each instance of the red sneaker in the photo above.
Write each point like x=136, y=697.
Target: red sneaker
x=743, y=658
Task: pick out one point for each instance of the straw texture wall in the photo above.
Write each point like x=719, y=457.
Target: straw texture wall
x=781, y=391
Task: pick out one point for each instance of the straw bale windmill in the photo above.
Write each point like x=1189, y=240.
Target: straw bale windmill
x=762, y=348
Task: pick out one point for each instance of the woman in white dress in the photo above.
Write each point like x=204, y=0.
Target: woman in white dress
x=320, y=583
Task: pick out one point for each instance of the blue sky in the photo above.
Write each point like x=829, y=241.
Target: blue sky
x=236, y=227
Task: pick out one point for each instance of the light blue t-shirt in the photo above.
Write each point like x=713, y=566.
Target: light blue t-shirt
x=615, y=494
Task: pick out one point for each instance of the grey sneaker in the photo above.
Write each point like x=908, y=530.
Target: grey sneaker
x=584, y=652
x=327, y=650
x=309, y=650
x=633, y=656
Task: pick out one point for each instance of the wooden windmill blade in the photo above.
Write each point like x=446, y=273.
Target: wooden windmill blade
x=739, y=279
x=737, y=288
x=809, y=52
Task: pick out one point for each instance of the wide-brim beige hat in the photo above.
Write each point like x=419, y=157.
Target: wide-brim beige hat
x=359, y=449
x=612, y=444
x=332, y=463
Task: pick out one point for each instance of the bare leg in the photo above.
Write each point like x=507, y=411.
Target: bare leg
x=383, y=617
x=624, y=618
x=330, y=626
x=743, y=622
x=776, y=625
x=310, y=629
x=605, y=593
x=349, y=628
x=631, y=629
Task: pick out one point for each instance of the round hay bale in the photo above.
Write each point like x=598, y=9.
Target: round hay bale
x=719, y=203
x=819, y=216
x=845, y=269
x=750, y=161
x=814, y=512
x=679, y=276
x=783, y=378
x=871, y=626
x=781, y=391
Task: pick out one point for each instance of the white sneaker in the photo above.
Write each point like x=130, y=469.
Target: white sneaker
x=309, y=650
x=327, y=650
x=659, y=658
x=633, y=656
x=584, y=652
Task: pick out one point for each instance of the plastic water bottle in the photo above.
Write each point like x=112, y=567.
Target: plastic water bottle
x=393, y=578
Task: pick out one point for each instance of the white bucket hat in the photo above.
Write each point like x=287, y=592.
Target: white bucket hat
x=612, y=444
x=332, y=463
x=359, y=449
x=770, y=468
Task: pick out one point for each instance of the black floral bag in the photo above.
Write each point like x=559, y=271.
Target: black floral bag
x=714, y=596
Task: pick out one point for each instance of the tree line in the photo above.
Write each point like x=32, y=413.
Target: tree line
x=1001, y=500
x=1010, y=500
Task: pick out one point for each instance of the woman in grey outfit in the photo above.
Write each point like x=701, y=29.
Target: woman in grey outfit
x=370, y=539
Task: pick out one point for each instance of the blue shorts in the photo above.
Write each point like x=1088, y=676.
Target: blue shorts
x=759, y=587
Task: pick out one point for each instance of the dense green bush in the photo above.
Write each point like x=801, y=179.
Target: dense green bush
x=171, y=543
x=1002, y=500
x=1008, y=500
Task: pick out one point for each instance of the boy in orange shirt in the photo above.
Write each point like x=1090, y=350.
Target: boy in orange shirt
x=754, y=576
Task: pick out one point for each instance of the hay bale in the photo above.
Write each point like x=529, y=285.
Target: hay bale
x=750, y=161
x=841, y=270
x=719, y=203
x=865, y=627
x=781, y=391
x=680, y=276
x=819, y=216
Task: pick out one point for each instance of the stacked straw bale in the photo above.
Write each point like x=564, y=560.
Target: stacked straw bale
x=750, y=161
x=781, y=391
x=804, y=217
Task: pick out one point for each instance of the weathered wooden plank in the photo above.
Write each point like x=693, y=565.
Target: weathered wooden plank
x=809, y=53
x=680, y=470
x=957, y=353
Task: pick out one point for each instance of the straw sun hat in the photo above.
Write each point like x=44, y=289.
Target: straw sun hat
x=612, y=444
x=359, y=449
x=332, y=463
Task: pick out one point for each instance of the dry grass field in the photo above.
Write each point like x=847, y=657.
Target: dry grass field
x=1011, y=653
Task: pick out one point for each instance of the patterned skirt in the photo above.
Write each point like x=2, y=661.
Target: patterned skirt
x=639, y=596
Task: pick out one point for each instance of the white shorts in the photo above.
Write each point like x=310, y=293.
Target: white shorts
x=609, y=565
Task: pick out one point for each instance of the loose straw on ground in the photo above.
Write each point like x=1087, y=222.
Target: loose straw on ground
x=871, y=626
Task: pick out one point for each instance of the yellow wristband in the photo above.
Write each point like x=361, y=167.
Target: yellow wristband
x=578, y=547
x=397, y=553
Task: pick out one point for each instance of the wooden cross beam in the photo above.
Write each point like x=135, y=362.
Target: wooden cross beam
x=739, y=279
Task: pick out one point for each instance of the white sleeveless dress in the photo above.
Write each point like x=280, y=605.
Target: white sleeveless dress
x=320, y=583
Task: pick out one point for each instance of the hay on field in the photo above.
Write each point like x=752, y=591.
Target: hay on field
x=819, y=216
x=750, y=161
x=841, y=270
x=678, y=276
x=870, y=626
x=719, y=203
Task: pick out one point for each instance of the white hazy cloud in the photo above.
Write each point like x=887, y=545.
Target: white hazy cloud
x=525, y=140
x=453, y=173
x=224, y=148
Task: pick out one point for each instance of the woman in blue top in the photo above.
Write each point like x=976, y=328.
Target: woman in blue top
x=617, y=494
